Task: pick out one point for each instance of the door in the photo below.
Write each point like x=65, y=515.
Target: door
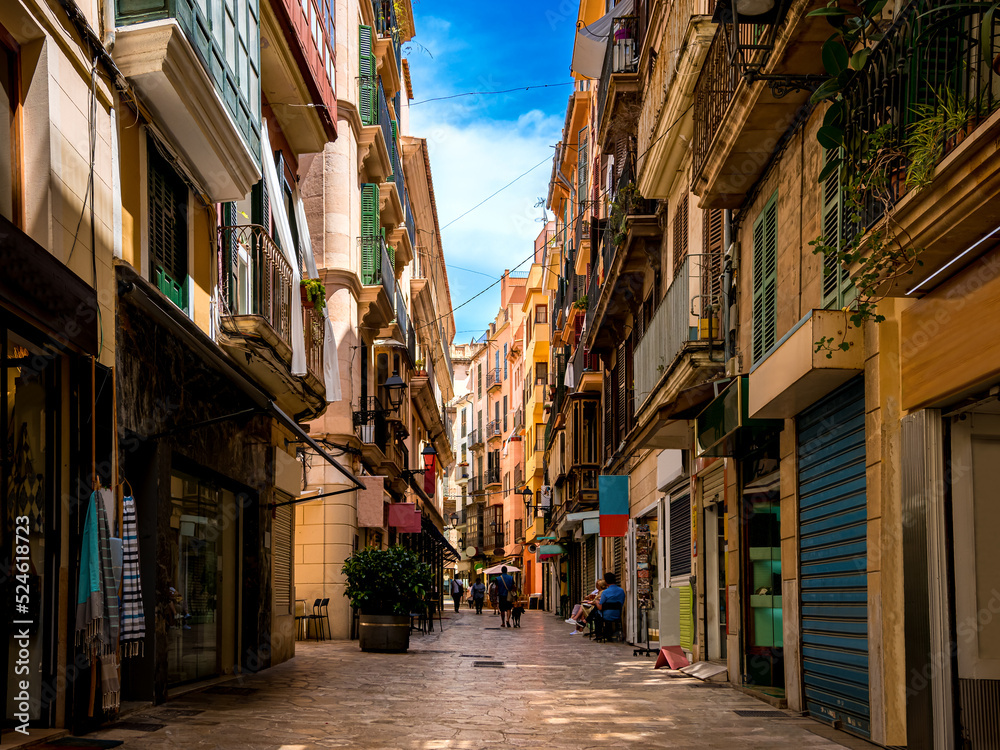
x=713, y=499
x=833, y=558
x=976, y=527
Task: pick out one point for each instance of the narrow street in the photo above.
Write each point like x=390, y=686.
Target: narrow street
x=553, y=691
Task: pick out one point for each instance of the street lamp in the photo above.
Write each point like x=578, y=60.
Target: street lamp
x=429, y=454
x=749, y=53
x=396, y=388
x=454, y=519
x=528, y=494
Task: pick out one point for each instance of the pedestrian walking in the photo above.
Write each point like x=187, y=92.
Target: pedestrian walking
x=493, y=596
x=506, y=595
x=457, y=589
x=478, y=591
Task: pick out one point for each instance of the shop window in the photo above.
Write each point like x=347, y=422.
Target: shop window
x=168, y=229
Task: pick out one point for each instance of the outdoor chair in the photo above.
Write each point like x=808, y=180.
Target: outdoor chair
x=301, y=620
x=321, y=617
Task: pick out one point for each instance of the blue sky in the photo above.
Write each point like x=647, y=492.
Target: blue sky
x=479, y=143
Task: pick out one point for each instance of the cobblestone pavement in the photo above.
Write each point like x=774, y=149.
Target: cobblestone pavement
x=553, y=691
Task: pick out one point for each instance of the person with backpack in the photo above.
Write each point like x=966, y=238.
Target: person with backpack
x=506, y=595
x=457, y=589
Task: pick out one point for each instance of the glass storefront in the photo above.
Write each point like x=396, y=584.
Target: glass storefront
x=30, y=380
x=199, y=531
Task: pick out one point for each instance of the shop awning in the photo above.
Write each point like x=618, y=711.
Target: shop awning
x=432, y=531
x=142, y=293
x=592, y=42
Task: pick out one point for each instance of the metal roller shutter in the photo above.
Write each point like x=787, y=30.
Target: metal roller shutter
x=281, y=550
x=680, y=536
x=713, y=487
x=833, y=558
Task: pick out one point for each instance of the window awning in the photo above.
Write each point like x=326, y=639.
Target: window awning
x=592, y=42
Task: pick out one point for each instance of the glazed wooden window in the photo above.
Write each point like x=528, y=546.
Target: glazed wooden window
x=11, y=168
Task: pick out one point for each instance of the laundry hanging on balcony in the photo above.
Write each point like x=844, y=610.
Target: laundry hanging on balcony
x=285, y=240
x=592, y=42
x=331, y=367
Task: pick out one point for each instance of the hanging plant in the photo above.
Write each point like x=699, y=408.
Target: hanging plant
x=313, y=292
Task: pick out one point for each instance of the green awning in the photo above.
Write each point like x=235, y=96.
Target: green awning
x=551, y=549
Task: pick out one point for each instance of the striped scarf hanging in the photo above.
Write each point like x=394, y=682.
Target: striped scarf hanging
x=133, y=630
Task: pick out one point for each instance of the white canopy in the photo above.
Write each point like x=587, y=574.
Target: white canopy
x=592, y=42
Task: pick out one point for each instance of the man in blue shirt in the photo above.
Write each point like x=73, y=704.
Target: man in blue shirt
x=612, y=599
x=505, y=590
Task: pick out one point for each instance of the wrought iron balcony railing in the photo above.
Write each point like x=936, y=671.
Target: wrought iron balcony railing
x=256, y=278
x=387, y=25
x=492, y=476
x=930, y=60
x=475, y=438
x=370, y=423
x=493, y=429
x=621, y=55
x=493, y=377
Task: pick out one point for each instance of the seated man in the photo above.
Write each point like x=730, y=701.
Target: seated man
x=611, y=602
x=582, y=611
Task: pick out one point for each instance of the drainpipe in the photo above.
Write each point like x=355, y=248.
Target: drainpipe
x=729, y=301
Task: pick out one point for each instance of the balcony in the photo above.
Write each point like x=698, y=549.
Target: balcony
x=493, y=379
x=476, y=439
x=492, y=478
x=387, y=44
x=425, y=402
x=619, y=84
x=476, y=485
x=952, y=217
x=297, y=69
x=256, y=288
x=580, y=490
x=588, y=373
x=213, y=121
x=666, y=123
x=375, y=136
x=630, y=244
x=381, y=448
x=680, y=348
x=739, y=119
x=378, y=282
x=493, y=431
x=517, y=422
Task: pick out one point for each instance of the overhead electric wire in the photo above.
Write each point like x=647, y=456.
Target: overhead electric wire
x=493, y=195
x=580, y=213
x=485, y=93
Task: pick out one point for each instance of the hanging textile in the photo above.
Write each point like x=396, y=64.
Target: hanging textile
x=331, y=364
x=97, y=599
x=287, y=248
x=133, y=623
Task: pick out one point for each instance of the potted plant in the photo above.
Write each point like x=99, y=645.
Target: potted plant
x=385, y=586
x=313, y=293
x=581, y=303
x=419, y=367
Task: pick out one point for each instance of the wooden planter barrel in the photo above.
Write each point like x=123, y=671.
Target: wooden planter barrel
x=384, y=632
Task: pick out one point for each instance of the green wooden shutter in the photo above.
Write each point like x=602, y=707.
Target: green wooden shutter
x=167, y=229
x=231, y=249
x=371, y=257
x=581, y=164
x=680, y=233
x=260, y=206
x=838, y=290
x=367, y=99
x=765, y=276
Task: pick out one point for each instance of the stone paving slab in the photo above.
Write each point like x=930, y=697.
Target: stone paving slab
x=554, y=691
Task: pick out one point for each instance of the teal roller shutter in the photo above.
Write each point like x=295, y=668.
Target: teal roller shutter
x=833, y=558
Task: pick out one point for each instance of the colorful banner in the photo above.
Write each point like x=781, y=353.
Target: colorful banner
x=613, y=504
